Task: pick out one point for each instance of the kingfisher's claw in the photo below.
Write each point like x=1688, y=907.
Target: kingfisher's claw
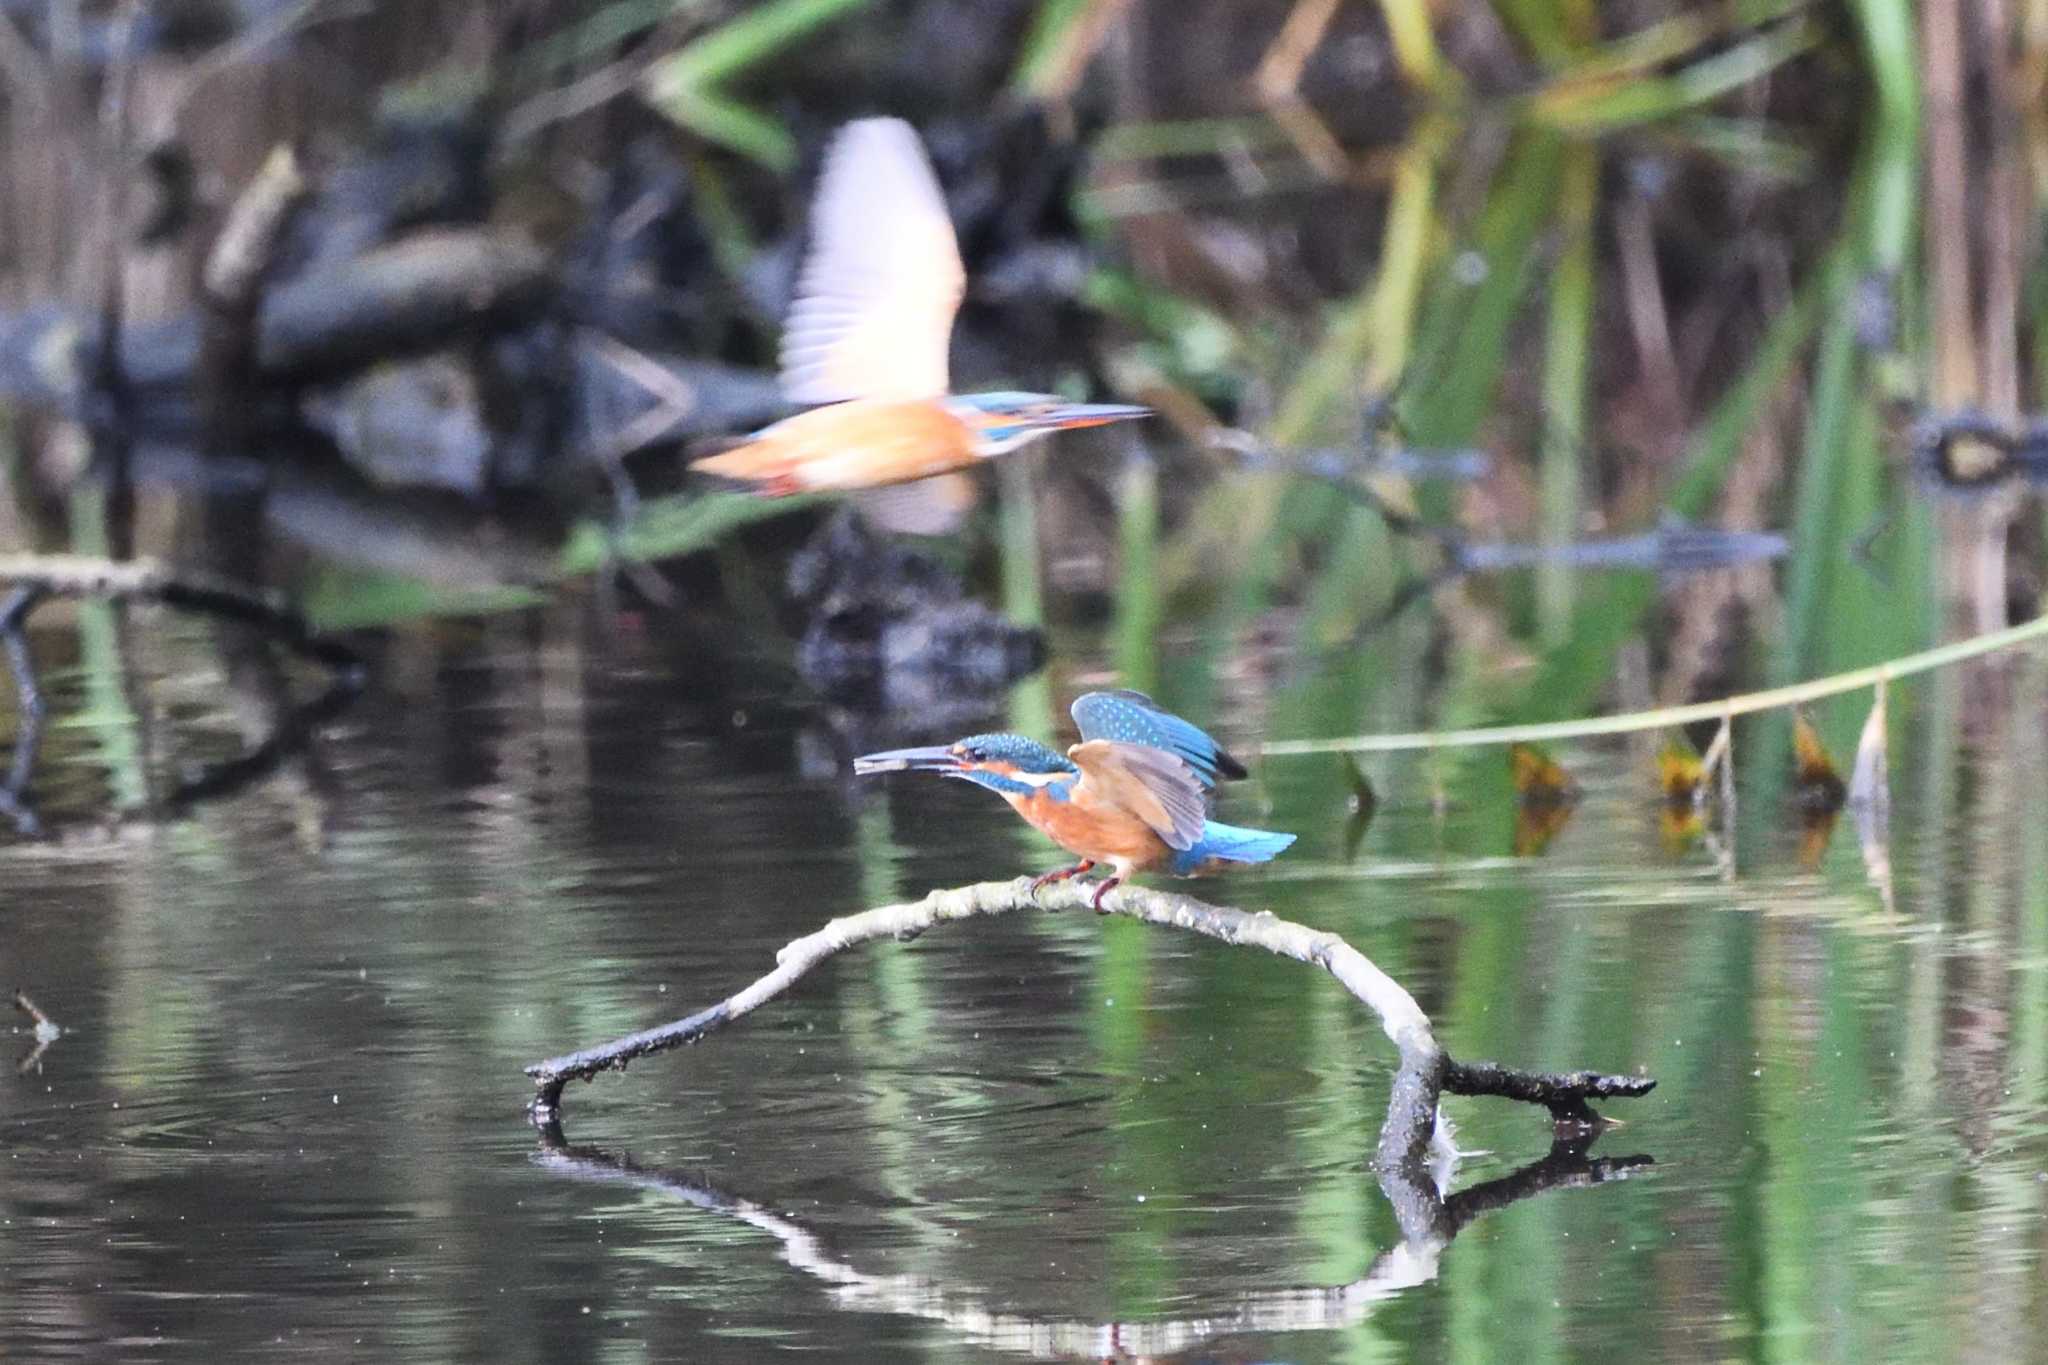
x=1059, y=874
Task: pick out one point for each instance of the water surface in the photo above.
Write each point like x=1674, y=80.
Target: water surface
x=286, y=1117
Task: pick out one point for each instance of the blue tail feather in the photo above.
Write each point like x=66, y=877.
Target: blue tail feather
x=1232, y=843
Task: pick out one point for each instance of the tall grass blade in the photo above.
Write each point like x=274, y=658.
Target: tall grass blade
x=1567, y=354
x=1607, y=106
x=1413, y=38
x=1138, y=605
x=1609, y=612
x=685, y=84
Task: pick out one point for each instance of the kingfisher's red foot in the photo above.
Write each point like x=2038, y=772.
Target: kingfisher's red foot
x=1102, y=889
x=1060, y=874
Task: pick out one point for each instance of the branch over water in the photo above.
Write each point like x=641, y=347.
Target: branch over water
x=1426, y=1070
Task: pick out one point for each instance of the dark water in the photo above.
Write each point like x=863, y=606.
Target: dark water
x=286, y=1118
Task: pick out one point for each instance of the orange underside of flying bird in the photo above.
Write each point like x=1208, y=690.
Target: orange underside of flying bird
x=858, y=444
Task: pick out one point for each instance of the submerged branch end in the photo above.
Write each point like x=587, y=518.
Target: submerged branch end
x=1564, y=1094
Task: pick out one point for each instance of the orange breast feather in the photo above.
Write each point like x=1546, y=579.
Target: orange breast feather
x=1090, y=831
x=849, y=445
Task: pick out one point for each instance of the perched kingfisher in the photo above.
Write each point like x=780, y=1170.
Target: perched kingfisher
x=1134, y=793
x=867, y=337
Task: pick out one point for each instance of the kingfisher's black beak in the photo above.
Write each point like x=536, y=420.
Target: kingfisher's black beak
x=1090, y=415
x=936, y=759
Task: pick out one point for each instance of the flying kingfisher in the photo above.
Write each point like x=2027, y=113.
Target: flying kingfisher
x=1134, y=793
x=867, y=335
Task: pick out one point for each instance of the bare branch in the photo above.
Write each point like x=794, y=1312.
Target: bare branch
x=580, y=96
x=149, y=581
x=1425, y=1068
x=1563, y=1094
x=1403, y=1019
x=38, y=577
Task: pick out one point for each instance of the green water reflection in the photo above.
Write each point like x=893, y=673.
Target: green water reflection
x=287, y=1112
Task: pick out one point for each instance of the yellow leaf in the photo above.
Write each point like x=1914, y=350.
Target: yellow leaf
x=1818, y=785
x=1679, y=770
x=1538, y=776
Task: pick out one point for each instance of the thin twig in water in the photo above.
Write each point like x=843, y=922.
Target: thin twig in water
x=46, y=1032
x=1424, y=1071
x=36, y=1016
x=41, y=576
x=1564, y=1094
x=148, y=581
x=30, y=708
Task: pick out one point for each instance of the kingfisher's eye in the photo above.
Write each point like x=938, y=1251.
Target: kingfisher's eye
x=972, y=754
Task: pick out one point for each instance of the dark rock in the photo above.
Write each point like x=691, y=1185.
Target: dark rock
x=890, y=627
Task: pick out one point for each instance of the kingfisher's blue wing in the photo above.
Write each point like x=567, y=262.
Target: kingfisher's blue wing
x=1134, y=718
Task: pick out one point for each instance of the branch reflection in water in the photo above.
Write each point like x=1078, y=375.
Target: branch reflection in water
x=250, y=629
x=1429, y=1220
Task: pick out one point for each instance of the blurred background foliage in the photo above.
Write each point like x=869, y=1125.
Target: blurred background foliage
x=1650, y=260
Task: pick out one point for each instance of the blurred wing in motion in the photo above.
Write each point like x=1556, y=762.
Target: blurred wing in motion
x=875, y=300
x=1146, y=782
x=1134, y=718
x=937, y=506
